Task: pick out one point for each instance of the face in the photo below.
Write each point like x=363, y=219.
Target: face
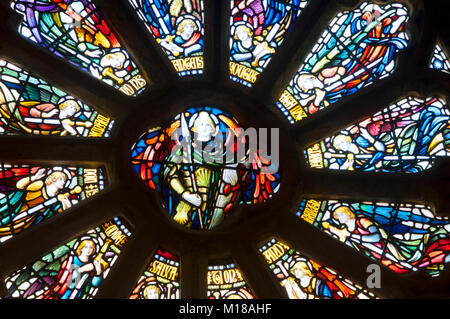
x=87, y=250
x=306, y=83
x=343, y=218
x=300, y=271
x=242, y=35
x=188, y=30
x=69, y=111
x=152, y=294
x=59, y=183
x=343, y=145
x=204, y=129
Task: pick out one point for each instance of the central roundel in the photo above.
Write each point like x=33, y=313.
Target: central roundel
x=204, y=164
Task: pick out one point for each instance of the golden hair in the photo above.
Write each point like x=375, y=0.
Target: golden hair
x=339, y=138
x=234, y=296
x=244, y=28
x=150, y=287
x=305, y=269
x=206, y=117
x=345, y=210
x=65, y=104
x=53, y=177
x=184, y=23
x=83, y=244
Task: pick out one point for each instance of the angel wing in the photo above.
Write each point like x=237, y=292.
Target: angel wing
x=157, y=13
x=150, y=153
x=260, y=185
x=316, y=59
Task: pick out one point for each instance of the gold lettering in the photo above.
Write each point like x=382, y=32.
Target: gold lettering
x=137, y=82
x=100, y=124
x=298, y=113
x=310, y=211
x=127, y=89
x=116, y=234
x=163, y=270
x=90, y=176
x=287, y=100
x=243, y=72
x=186, y=64
x=274, y=252
x=315, y=156
x=91, y=190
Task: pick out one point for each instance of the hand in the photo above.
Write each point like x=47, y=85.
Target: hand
x=193, y=199
x=94, y=53
x=230, y=176
x=39, y=174
x=51, y=113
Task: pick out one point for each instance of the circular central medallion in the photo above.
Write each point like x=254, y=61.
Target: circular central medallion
x=204, y=164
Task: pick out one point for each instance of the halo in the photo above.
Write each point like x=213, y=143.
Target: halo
x=70, y=97
x=191, y=17
x=235, y=25
x=83, y=238
x=61, y=169
x=211, y=115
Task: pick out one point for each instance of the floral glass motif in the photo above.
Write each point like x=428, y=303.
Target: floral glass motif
x=258, y=27
x=439, y=60
x=177, y=26
x=303, y=278
x=31, y=194
x=75, y=31
x=161, y=279
x=226, y=282
x=74, y=270
x=403, y=237
x=30, y=105
x=356, y=49
x=187, y=161
x=405, y=137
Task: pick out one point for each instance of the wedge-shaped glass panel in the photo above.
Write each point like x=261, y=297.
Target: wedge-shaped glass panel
x=303, y=278
x=356, y=49
x=161, y=279
x=439, y=60
x=258, y=27
x=178, y=29
x=225, y=281
x=405, y=137
x=75, y=31
x=31, y=194
x=404, y=237
x=74, y=270
x=30, y=105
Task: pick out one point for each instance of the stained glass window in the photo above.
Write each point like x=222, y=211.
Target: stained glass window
x=31, y=194
x=30, y=105
x=439, y=60
x=405, y=137
x=303, y=278
x=75, y=31
x=74, y=270
x=356, y=49
x=197, y=166
x=402, y=236
x=179, y=159
x=178, y=29
x=225, y=281
x=257, y=30
x=161, y=279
